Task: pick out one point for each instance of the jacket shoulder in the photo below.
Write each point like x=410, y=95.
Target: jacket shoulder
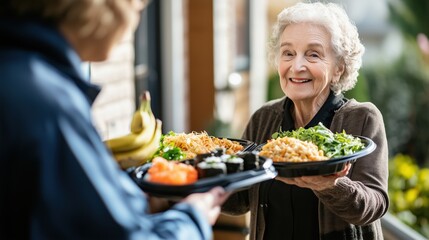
x=275, y=105
x=355, y=108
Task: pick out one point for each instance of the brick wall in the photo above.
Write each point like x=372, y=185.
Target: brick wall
x=114, y=106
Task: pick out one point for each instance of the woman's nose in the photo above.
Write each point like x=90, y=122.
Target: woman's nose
x=298, y=64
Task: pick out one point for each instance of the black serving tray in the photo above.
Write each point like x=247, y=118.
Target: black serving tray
x=326, y=167
x=231, y=182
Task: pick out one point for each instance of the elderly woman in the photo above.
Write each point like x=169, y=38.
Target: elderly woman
x=58, y=180
x=317, y=53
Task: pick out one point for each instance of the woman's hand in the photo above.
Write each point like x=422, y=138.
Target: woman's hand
x=157, y=204
x=317, y=183
x=208, y=203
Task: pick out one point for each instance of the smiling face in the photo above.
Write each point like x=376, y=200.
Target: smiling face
x=307, y=63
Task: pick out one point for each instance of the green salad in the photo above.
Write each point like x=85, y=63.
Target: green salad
x=332, y=144
x=169, y=151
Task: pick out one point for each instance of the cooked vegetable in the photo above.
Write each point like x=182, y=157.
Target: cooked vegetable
x=332, y=144
x=168, y=150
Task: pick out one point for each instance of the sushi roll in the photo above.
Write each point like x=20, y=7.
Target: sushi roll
x=219, y=152
x=213, y=159
x=251, y=161
x=210, y=169
x=201, y=157
x=233, y=164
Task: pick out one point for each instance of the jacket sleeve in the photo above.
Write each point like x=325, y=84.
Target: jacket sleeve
x=361, y=197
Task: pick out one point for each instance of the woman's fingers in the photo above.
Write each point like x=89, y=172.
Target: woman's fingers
x=208, y=203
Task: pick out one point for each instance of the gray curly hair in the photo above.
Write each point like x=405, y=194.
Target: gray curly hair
x=344, y=37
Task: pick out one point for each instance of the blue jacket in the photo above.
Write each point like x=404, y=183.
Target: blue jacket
x=57, y=179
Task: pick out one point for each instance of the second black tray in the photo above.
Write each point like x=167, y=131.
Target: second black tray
x=326, y=167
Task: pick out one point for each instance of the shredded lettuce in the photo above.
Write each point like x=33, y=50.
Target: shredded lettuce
x=169, y=151
x=332, y=144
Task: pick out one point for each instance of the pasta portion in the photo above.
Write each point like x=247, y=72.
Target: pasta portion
x=287, y=149
x=195, y=143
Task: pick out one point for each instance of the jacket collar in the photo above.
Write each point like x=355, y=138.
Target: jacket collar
x=324, y=115
x=44, y=39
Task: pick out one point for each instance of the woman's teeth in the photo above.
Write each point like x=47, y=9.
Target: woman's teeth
x=299, y=80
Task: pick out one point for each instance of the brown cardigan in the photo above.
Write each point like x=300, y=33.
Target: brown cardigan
x=352, y=210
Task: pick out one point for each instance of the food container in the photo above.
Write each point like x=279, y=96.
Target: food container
x=263, y=171
x=325, y=167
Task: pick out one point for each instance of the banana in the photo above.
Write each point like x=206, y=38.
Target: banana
x=142, y=128
x=133, y=141
x=143, y=154
x=142, y=116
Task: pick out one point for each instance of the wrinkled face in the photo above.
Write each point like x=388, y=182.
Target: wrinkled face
x=307, y=63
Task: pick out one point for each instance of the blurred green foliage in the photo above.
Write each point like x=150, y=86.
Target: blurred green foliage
x=360, y=91
x=400, y=88
x=274, y=89
x=410, y=16
x=404, y=102
x=409, y=193
x=401, y=92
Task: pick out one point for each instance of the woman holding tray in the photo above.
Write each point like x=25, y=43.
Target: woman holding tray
x=317, y=52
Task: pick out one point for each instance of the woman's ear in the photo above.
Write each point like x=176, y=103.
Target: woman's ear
x=338, y=72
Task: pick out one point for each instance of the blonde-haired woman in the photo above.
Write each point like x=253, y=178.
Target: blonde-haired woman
x=317, y=52
x=58, y=180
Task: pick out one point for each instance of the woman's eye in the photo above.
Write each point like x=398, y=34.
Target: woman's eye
x=287, y=55
x=313, y=55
